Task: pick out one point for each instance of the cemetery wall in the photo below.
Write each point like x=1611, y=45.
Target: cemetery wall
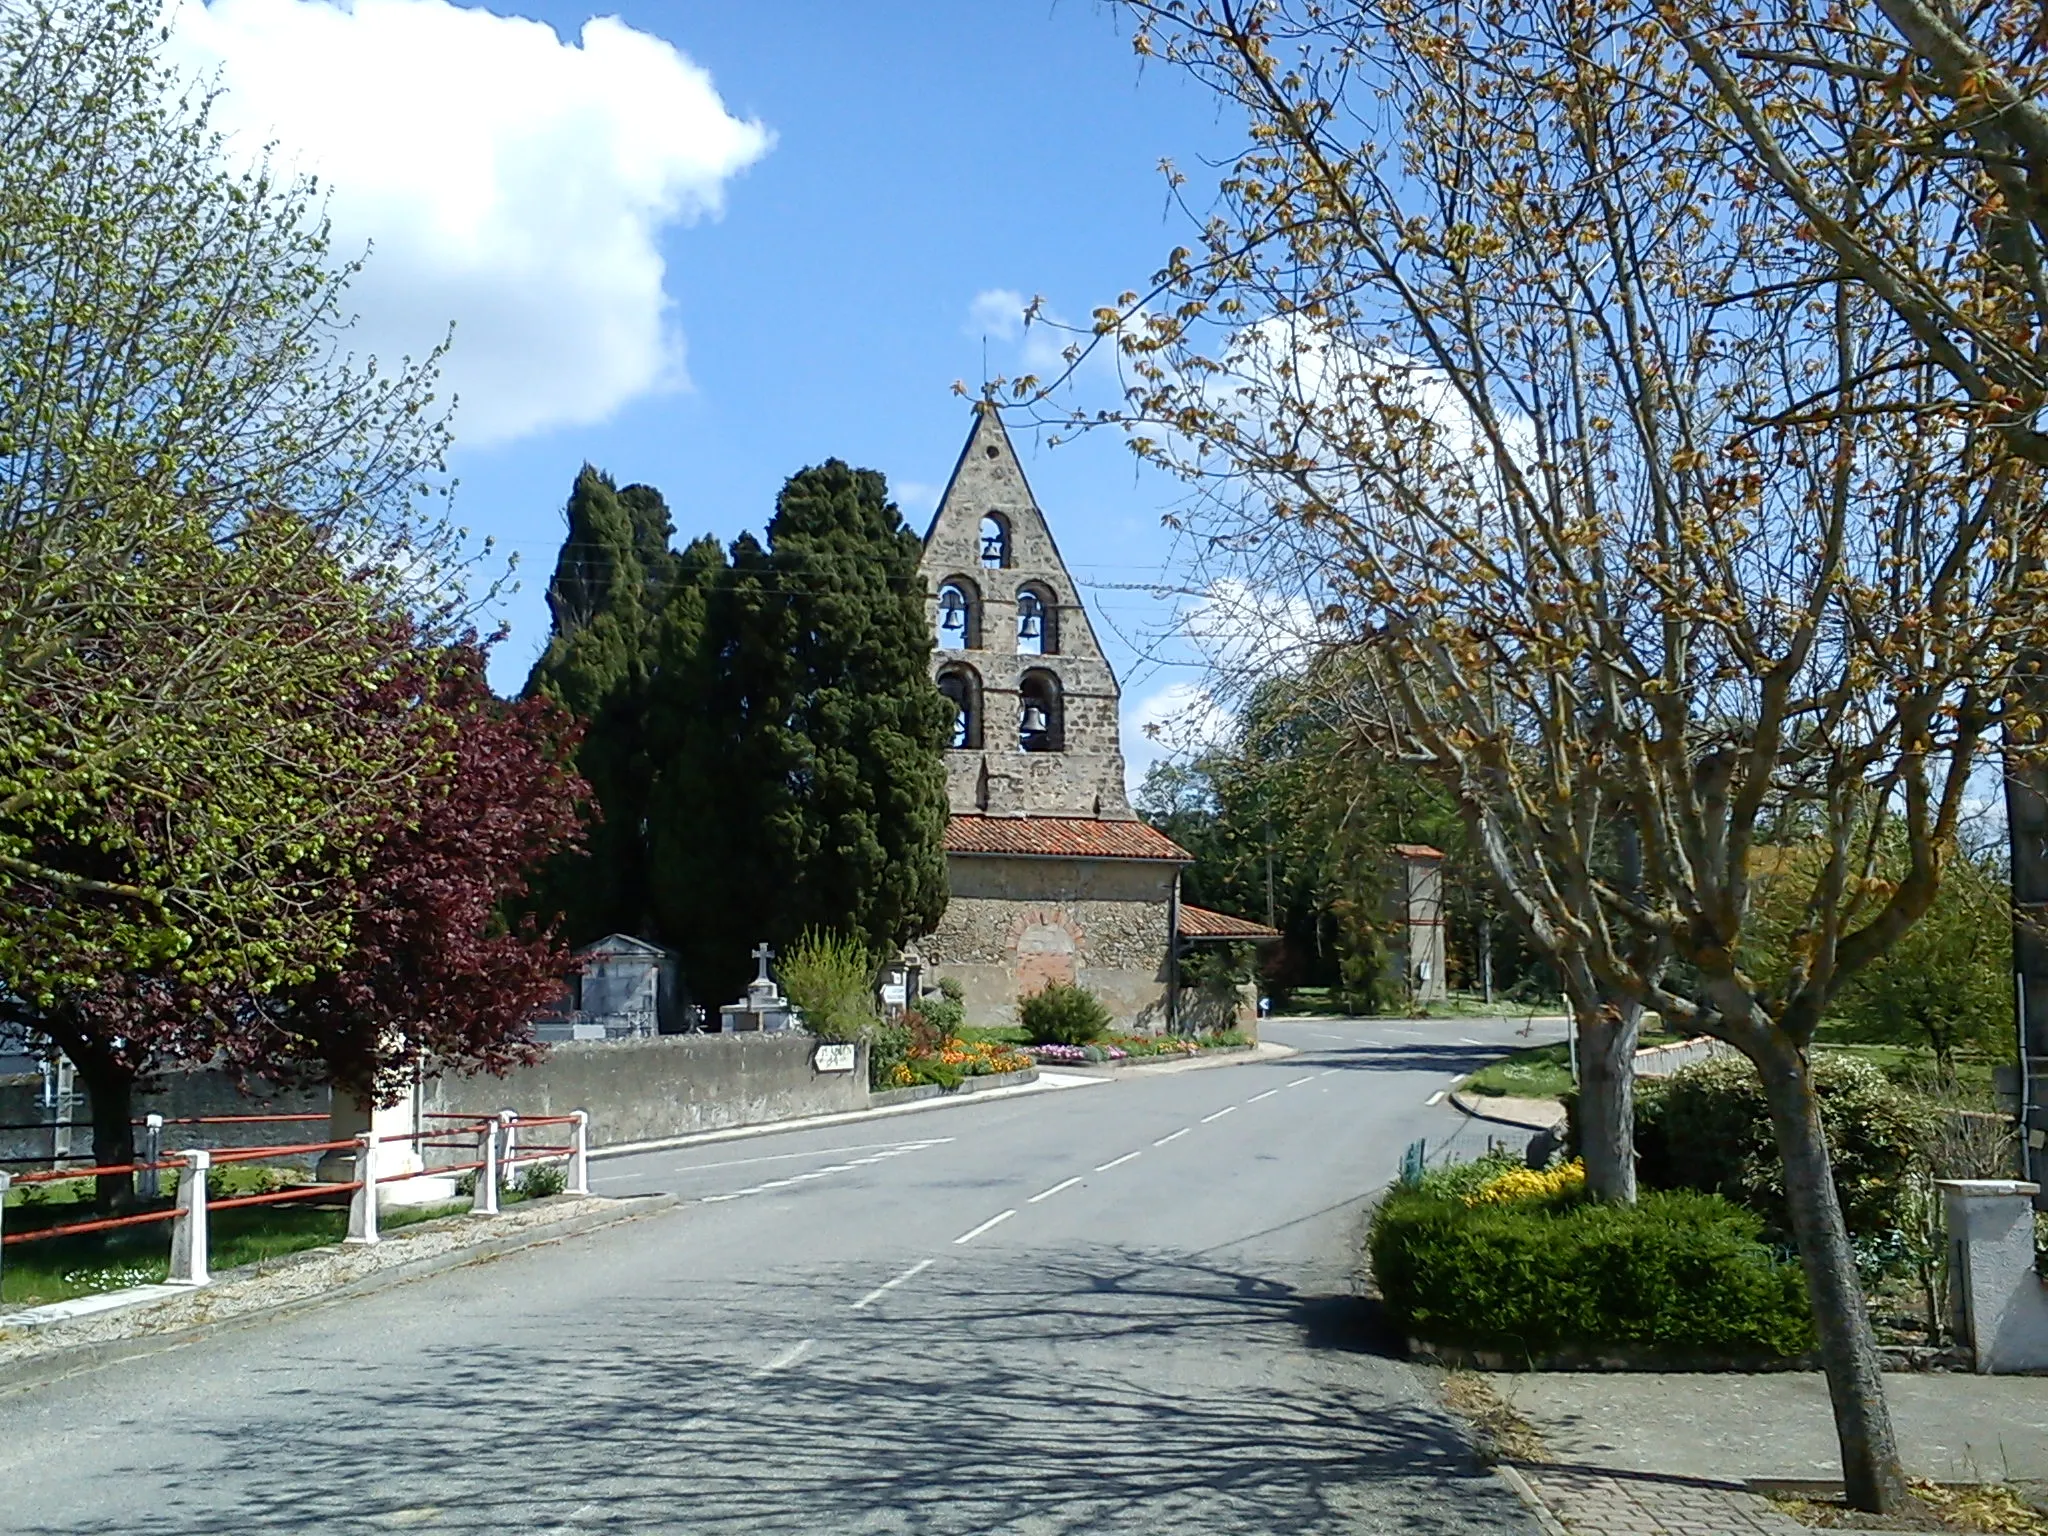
x=669, y=1085
x=177, y=1095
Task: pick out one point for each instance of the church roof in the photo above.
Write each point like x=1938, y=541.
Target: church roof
x=1201, y=923
x=1061, y=837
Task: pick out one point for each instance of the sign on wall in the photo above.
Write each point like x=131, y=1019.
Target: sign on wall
x=833, y=1058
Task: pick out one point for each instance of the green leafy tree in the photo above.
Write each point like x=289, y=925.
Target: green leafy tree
x=210, y=511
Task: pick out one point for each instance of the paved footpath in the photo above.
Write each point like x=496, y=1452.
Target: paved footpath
x=1651, y=1454
x=1121, y=1308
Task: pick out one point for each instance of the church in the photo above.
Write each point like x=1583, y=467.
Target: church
x=1052, y=876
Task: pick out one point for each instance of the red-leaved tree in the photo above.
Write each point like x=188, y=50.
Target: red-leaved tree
x=437, y=978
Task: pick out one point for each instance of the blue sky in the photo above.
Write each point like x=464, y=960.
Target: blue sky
x=845, y=216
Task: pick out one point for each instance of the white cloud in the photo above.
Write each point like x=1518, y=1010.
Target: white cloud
x=996, y=313
x=511, y=182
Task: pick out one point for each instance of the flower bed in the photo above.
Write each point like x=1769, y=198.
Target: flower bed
x=1111, y=1049
x=949, y=1060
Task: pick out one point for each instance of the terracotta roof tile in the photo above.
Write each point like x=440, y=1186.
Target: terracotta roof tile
x=1201, y=923
x=1061, y=837
x=1417, y=851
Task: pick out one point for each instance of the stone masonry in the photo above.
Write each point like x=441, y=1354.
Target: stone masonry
x=1052, y=877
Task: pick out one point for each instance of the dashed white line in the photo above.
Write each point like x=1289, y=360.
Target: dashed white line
x=1300, y=1080
x=889, y=1285
x=993, y=1221
x=1047, y=1194
x=1433, y=1099
x=1225, y=1110
x=1258, y=1096
x=1327, y=1072
x=787, y=1358
x=1468, y=1040
x=1116, y=1162
x=1175, y=1136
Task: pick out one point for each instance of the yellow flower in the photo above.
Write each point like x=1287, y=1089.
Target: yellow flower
x=1518, y=1184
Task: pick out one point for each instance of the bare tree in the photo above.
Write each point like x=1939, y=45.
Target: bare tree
x=1661, y=541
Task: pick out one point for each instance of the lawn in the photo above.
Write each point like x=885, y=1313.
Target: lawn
x=1541, y=1072
x=1323, y=1002
x=63, y=1267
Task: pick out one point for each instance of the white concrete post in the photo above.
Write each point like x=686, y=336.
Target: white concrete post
x=508, y=1123
x=6, y=1179
x=188, y=1227
x=149, y=1182
x=484, y=1201
x=362, y=1205
x=579, y=1160
x=1995, y=1291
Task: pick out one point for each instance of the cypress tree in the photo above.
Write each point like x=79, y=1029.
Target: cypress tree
x=605, y=599
x=764, y=736
x=866, y=728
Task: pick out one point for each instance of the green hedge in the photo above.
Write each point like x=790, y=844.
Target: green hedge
x=1677, y=1274
x=1062, y=1014
x=1707, y=1127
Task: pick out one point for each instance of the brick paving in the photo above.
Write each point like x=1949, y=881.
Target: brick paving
x=1635, y=1504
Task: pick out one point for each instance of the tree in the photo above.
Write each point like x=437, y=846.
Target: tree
x=1651, y=535
x=437, y=975
x=606, y=599
x=866, y=728
x=209, y=512
x=765, y=741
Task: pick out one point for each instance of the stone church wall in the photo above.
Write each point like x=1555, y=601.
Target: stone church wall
x=1015, y=924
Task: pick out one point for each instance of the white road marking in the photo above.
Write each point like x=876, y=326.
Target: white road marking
x=1327, y=1072
x=895, y=1150
x=1116, y=1162
x=1175, y=1136
x=1047, y=1194
x=1258, y=1096
x=889, y=1285
x=1300, y=1080
x=1225, y=1110
x=1434, y=1098
x=993, y=1221
x=787, y=1358
x=793, y=1157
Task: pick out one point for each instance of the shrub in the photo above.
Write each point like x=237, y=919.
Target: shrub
x=1680, y=1273
x=539, y=1180
x=1562, y=1185
x=945, y=1014
x=952, y=991
x=1707, y=1127
x=1063, y=1015
x=831, y=977
x=888, y=1045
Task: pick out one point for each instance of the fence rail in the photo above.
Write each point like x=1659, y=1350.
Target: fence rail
x=493, y=1138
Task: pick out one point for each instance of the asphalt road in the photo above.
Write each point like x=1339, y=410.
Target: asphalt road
x=1118, y=1307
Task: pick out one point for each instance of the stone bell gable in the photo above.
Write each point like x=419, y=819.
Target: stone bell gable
x=1037, y=701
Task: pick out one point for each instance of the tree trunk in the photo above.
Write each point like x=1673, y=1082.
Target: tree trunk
x=2026, y=820
x=1871, y=1475
x=1607, y=1099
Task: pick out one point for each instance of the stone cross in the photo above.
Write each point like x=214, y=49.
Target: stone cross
x=762, y=955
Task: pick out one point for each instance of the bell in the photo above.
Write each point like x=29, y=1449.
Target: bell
x=1034, y=719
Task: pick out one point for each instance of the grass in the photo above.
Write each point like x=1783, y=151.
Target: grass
x=1327, y=1002
x=1541, y=1072
x=64, y=1267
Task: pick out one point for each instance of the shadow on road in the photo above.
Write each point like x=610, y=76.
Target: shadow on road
x=1108, y=1392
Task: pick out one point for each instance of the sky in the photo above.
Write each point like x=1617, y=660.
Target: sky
x=702, y=246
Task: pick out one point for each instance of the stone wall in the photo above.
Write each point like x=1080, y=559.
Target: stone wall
x=1013, y=925
x=177, y=1095
x=670, y=1085
x=1085, y=777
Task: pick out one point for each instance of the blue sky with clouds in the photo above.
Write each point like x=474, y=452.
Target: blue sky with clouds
x=703, y=245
